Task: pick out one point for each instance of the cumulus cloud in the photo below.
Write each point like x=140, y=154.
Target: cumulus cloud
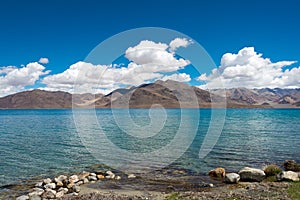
x=13, y=79
x=182, y=77
x=44, y=60
x=149, y=61
x=179, y=42
x=86, y=77
x=155, y=57
x=249, y=69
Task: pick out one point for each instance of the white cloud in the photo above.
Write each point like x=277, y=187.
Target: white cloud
x=44, y=60
x=155, y=57
x=149, y=61
x=87, y=77
x=249, y=69
x=13, y=79
x=182, y=77
x=179, y=42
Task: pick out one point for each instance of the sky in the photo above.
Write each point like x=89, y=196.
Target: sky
x=46, y=44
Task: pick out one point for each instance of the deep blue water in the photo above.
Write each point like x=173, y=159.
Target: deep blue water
x=36, y=143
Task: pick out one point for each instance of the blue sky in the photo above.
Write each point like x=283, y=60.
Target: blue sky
x=66, y=31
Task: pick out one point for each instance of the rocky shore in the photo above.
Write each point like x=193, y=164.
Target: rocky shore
x=271, y=182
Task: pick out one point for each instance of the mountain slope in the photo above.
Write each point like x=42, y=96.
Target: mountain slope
x=37, y=99
x=169, y=94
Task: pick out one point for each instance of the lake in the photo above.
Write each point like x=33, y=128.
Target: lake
x=40, y=143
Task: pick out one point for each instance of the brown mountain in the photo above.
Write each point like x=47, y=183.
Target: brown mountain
x=37, y=99
x=169, y=94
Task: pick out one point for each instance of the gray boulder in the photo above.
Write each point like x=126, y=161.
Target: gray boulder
x=288, y=176
x=232, y=178
x=251, y=174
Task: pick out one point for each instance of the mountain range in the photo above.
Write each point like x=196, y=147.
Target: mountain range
x=169, y=94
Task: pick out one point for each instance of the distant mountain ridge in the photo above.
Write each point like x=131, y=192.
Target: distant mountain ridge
x=169, y=94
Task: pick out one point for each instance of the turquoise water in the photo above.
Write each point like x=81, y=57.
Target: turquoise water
x=37, y=143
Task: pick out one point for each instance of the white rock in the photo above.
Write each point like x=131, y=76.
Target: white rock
x=73, y=178
x=232, y=178
x=93, y=174
x=131, y=176
x=92, y=178
x=287, y=176
x=112, y=176
x=251, y=174
x=61, y=178
x=109, y=173
x=118, y=178
x=47, y=181
x=23, y=197
x=50, y=186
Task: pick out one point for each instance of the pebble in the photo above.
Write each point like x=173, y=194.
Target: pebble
x=131, y=176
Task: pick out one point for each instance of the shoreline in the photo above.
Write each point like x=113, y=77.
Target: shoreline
x=162, y=184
